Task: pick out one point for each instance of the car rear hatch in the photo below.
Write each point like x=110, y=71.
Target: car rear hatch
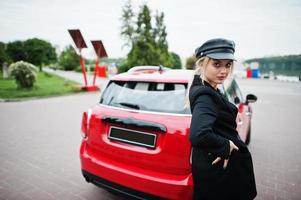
x=128, y=127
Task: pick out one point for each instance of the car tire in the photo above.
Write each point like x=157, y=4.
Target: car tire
x=248, y=139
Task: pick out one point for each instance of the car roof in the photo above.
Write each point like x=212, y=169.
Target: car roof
x=155, y=74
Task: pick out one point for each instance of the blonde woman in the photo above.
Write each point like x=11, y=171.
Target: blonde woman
x=222, y=166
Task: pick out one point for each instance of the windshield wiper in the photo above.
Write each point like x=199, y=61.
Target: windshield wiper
x=130, y=105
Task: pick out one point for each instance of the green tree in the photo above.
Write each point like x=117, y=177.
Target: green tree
x=69, y=60
x=148, y=43
x=35, y=51
x=15, y=51
x=3, y=55
x=143, y=51
x=286, y=65
x=144, y=26
x=175, y=61
x=160, y=34
x=39, y=52
x=123, y=66
x=128, y=24
x=190, y=62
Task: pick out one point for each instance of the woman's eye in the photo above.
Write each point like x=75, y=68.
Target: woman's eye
x=216, y=64
x=228, y=65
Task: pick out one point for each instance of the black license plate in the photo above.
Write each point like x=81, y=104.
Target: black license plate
x=133, y=137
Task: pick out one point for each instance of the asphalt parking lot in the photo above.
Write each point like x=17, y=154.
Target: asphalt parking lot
x=276, y=138
x=40, y=141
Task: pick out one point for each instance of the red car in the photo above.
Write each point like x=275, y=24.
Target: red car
x=136, y=140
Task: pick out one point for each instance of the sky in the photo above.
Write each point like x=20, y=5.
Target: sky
x=258, y=27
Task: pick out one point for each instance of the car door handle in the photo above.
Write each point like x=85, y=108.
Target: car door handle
x=240, y=123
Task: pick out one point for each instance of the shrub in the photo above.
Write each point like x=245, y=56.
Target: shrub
x=24, y=73
x=78, y=69
x=92, y=68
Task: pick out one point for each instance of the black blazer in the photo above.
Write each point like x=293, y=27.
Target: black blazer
x=213, y=124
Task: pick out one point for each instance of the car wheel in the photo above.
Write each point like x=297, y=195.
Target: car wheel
x=248, y=139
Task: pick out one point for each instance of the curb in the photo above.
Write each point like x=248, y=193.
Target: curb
x=10, y=100
x=45, y=97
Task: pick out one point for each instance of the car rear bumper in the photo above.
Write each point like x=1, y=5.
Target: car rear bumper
x=120, y=189
x=132, y=181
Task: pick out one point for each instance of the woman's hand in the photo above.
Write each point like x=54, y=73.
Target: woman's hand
x=232, y=147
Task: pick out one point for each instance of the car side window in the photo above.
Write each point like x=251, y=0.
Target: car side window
x=237, y=91
x=233, y=92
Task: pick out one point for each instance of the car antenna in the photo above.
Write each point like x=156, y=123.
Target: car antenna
x=160, y=68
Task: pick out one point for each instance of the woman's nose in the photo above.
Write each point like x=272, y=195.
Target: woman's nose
x=224, y=69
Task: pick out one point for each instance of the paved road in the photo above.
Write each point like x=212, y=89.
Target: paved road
x=40, y=140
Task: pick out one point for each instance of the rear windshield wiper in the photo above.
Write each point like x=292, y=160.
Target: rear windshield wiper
x=130, y=105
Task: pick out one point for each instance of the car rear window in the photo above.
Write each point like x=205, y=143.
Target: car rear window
x=147, y=96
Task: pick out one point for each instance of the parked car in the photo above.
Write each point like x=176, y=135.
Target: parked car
x=136, y=139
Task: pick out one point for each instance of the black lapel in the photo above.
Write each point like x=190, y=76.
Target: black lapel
x=220, y=99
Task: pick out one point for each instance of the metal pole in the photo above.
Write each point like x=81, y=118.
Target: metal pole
x=95, y=70
x=82, y=63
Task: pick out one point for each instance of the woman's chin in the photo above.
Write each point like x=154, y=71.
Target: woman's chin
x=220, y=81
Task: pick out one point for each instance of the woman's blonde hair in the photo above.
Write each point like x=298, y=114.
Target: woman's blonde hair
x=200, y=68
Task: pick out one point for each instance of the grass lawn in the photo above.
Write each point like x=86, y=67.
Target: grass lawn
x=46, y=85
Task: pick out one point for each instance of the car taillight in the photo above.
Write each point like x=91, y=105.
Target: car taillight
x=85, y=123
x=84, y=129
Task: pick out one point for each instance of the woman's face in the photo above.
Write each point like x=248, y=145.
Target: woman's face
x=217, y=71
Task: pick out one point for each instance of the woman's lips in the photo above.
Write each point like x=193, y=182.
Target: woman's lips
x=221, y=77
